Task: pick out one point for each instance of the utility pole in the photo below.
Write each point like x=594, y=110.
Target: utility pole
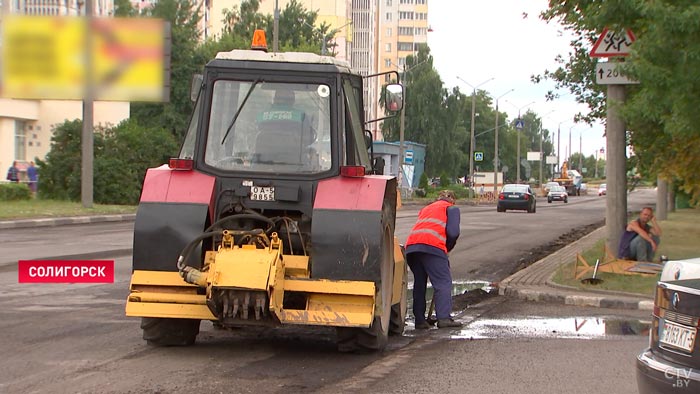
x=580, y=152
x=616, y=199
x=472, y=140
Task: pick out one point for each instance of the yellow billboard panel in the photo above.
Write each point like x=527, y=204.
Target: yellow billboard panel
x=45, y=58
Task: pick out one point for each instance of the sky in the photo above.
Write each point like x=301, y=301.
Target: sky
x=506, y=40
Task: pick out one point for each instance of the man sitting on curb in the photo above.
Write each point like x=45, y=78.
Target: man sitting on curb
x=641, y=238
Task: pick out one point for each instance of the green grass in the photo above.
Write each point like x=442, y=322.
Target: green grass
x=37, y=208
x=679, y=241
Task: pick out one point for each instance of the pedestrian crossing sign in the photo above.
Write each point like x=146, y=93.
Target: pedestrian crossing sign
x=478, y=156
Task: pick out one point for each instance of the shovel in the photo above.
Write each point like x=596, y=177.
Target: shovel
x=431, y=320
x=593, y=280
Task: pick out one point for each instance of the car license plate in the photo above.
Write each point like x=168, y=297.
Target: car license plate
x=513, y=196
x=261, y=193
x=677, y=336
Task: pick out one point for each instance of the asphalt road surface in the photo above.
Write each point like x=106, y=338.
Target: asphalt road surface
x=75, y=338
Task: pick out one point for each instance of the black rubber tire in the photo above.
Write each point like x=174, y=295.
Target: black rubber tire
x=397, y=322
x=169, y=332
x=376, y=337
x=549, y=201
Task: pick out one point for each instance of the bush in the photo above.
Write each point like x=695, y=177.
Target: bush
x=420, y=192
x=14, y=191
x=423, y=182
x=444, y=180
x=122, y=156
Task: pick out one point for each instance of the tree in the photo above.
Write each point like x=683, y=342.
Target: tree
x=129, y=150
x=60, y=171
x=123, y=8
x=184, y=17
x=296, y=31
x=659, y=112
x=429, y=119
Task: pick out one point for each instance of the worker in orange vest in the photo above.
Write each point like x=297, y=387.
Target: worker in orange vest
x=432, y=237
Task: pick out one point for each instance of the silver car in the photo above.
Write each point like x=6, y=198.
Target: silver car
x=557, y=193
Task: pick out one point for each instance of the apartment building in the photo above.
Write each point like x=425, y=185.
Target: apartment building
x=26, y=125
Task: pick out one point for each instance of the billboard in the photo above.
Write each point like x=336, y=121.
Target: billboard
x=47, y=58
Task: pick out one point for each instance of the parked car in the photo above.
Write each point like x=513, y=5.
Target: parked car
x=557, y=193
x=671, y=364
x=602, y=189
x=516, y=196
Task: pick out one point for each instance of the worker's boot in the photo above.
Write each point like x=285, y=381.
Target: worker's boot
x=422, y=325
x=448, y=323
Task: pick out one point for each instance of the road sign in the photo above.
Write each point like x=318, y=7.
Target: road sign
x=478, y=156
x=408, y=157
x=609, y=73
x=519, y=124
x=611, y=44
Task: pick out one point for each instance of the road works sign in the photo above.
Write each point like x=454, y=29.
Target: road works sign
x=611, y=44
x=609, y=73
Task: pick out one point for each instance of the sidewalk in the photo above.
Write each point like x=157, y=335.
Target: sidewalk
x=532, y=283
x=61, y=221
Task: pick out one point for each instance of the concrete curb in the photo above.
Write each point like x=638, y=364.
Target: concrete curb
x=50, y=222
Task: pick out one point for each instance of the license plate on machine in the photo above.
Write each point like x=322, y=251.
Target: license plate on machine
x=262, y=193
x=677, y=336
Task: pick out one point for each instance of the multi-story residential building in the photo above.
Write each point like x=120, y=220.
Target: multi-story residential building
x=26, y=125
x=403, y=27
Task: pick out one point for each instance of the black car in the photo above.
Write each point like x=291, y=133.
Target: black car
x=515, y=196
x=671, y=364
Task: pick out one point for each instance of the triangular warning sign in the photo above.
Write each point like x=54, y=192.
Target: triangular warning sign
x=611, y=44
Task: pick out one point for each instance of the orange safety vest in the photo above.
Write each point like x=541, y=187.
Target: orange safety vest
x=430, y=227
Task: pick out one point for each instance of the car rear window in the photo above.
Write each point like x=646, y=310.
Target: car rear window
x=515, y=188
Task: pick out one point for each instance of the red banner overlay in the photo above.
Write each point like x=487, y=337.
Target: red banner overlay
x=65, y=271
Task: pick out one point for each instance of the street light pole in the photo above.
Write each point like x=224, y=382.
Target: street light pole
x=471, y=132
x=276, y=28
x=541, y=143
x=517, y=162
x=495, y=149
x=558, y=140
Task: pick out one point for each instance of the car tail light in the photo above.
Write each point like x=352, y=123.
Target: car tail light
x=527, y=197
x=352, y=171
x=501, y=196
x=181, y=164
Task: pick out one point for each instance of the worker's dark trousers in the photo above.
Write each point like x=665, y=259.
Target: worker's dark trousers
x=437, y=268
